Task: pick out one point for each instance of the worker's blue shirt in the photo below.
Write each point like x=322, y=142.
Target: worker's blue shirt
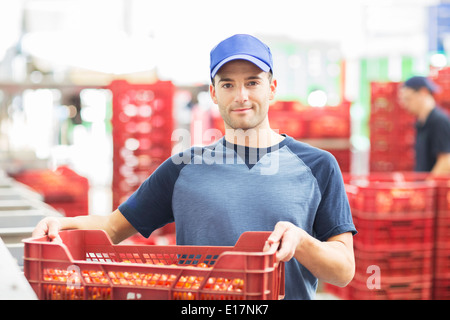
x=217, y=192
x=433, y=138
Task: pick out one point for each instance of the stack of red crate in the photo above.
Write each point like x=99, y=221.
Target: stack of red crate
x=316, y=124
x=442, y=79
x=394, y=215
x=63, y=189
x=300, y=122
x=142, y=128
x=392, y=132
x=441, y=283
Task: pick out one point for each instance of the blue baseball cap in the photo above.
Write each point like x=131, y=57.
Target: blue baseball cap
x=241, y=46
x=418, y=82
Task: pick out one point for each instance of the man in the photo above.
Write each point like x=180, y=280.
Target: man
x=432, y=127
x=252, y=179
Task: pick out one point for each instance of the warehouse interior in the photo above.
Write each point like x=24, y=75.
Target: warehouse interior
x=95, y=95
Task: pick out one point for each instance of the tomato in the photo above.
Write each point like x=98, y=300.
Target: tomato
x=203, y=265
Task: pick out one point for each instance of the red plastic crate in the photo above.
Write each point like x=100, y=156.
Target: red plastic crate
x=443, y=230
x=397, y=230
x=443, y=196
x=392, y=133
x=414, y=261
x=291, y=123
x=403, y=139
x=288, y=106
x=391, y=161
x=63, y=189
x=442, y=259
x=384, y=97
x=394, y=197
x=391, y=288
x=388, y=89
x=441, y=288
x=88, y=266
x=328, y=125
x=386, y=124
x=300, y=121
x=142, y=128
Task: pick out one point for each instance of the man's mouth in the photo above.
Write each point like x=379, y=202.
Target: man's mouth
x=241, y=109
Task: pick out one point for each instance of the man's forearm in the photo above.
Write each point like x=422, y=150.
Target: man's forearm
x=331, y=261
x=116, y=225
x=84, y=222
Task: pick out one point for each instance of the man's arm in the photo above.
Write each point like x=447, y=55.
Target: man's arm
x=331, y=261
x=442, y=165
x=116, y=225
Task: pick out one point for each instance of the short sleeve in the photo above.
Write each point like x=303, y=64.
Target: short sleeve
x=333, y=215
x=441, y=136
x=150, y=206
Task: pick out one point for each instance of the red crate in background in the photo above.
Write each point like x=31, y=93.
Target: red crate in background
x=392, y=288
x=380, y=199
x=291, y=123
x=330, y=122
x=395, y=215
x=442, y=262
x=412, y=260
x=86, y=265
x=63, y=189
x=395, y=230
x=385, y=162
x=442, y=79
x=300, y=121
x=441, y=281
x=142, y=128
x=384, y=97
x=392, y=132
x=443, y=196
x=442, y=288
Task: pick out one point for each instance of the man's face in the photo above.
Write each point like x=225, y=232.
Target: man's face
x=243, y=93
x=410, y=99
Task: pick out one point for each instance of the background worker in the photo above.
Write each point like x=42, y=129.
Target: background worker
x=252, y=179
x=432, y=127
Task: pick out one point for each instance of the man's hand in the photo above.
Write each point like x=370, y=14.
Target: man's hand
x=287, y=237
x=49, y=227
x=331, y=261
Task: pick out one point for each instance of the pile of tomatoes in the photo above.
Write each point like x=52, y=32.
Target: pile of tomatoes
x=184, y=286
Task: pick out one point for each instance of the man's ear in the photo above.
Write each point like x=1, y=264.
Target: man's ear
x=273, y=89
x=212, y=92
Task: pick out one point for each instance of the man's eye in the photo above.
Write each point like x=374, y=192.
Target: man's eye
x=252, y=83
x=226, y=85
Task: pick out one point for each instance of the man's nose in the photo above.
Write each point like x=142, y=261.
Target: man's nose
x=241, y=94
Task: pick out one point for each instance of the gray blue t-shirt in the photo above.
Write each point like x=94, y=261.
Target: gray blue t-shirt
x=433, y=138
x=215, y=193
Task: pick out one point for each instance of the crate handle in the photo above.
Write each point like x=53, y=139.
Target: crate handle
x=252, y=241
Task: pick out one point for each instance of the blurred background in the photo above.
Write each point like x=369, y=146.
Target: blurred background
x=92, y=92
x=57, y=59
